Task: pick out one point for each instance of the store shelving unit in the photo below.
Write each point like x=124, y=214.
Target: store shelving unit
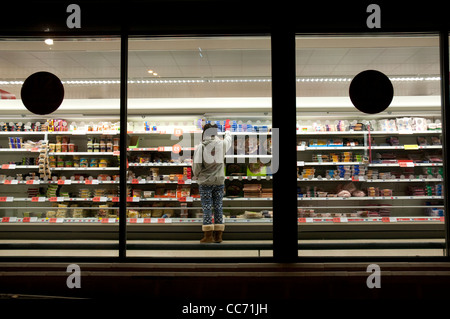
x=398, y=185
x=21, y=214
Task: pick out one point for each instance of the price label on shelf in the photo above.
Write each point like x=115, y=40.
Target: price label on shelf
x=176, y=149
x=134, y=181
x=133, y=199
x=132, y=220
x=99, y=199
x=406, y=164
x=9, y=219
x=64, y=182
x=147, y=220
x=38, y=199
x=108, y=220
x=115, y=199
x=11, y=182
x=340, y=219
x=33, y=182
x=116, y=153
x=91, y=182
x=411, y=147
x=160, y=148
x=6, y=199
x=178, y=132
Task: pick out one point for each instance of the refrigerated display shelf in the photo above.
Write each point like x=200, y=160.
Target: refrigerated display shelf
x=84, y=168
x=400, y=147
x=363, y=179
x=398, y=164
x=151, y=220
x=157, y=164
x=116, y=199
x=370, y=198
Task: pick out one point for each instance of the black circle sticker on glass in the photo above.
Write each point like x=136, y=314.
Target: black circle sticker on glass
x=371, y=91
x=42, y=93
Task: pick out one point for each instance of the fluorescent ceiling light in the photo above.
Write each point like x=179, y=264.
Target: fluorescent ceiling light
x=228, y=80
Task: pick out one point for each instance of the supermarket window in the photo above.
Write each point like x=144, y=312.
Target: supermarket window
x=369, y=184
x=59, y=170
x=175, y=87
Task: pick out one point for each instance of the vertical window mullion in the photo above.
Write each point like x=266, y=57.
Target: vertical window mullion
x=123, y=146
x=445, y=104
x=285, y=231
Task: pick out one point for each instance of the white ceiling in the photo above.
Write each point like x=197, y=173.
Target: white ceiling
x=231, y=57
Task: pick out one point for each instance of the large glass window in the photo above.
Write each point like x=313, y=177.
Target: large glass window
x=59, y=170
x=369, y=183
x=175, y=87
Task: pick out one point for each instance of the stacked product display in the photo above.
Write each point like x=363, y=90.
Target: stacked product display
x=72, y=172
x=383, y=167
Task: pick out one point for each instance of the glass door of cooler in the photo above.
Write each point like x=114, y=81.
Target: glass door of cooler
x=59, y=167
x=370, y=177
x=175, y=87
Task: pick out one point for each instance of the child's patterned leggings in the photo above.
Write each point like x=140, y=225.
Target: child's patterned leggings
x=211, y=197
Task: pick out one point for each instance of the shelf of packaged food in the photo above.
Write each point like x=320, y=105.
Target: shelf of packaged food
x=84, y=153
x=403, y=164
x=157, y=164
x=301, y=163
x=398, y=164
x=369, y=198
x=115, y=220
x=367, y=132
x=19, y=150
x=246, y=133
x=249, y=156
x=133, y=182
x=42, y=199
x=256, y=178
x=342, y=148
x=302, y=220
x=158, y=149
x=84, y=168
x=150, y=220
x=330, y=148
x=82, y=132
x=13, y=133
x=363, y=179
x=170, y=132
x=163, y=132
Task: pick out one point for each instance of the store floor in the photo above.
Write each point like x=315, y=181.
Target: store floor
x=229, y=248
